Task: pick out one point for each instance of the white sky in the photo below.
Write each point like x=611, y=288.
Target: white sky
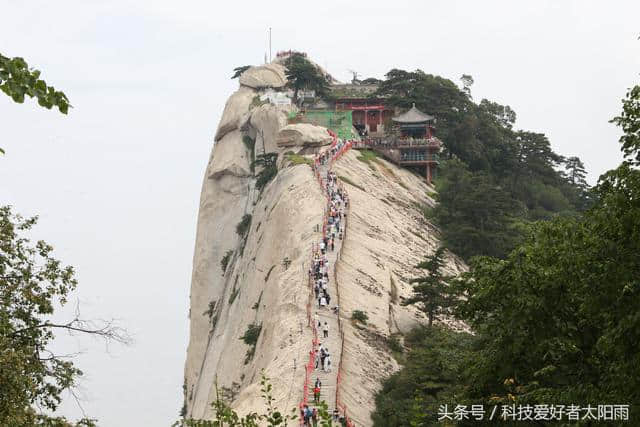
x=117, y=182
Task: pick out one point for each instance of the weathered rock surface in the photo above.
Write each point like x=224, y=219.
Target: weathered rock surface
x=264, y=76
x=386, y=235
x=303, y=135
x=268, y=119
x=234, y=111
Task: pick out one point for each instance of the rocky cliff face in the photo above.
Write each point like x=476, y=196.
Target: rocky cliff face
x=386, y=235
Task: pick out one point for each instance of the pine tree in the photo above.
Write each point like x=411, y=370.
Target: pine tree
x=431, y=291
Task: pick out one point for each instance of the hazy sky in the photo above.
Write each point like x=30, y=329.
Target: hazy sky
x=117, y=182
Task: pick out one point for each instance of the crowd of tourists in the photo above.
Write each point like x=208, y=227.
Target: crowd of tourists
x=338, y=203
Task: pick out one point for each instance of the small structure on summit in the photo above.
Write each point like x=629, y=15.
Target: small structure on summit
x=412, y=145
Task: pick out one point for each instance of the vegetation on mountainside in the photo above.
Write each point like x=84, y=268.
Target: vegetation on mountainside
x=269, y=170
x=360, y=316
x=223, y=415
x=367, y=156
x=237, y=72
x=251, y=146
x=243, y=226
x=556, y=321
x=234, y=293
x=225, y=260
x=500, y=177
x=302, y=74
x=297, y=159
x=431, y=292
x=432, y=376
x=250, y=338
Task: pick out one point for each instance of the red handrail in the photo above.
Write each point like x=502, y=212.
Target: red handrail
x=335, y=155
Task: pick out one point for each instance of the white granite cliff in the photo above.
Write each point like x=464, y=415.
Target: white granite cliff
x=386, y=235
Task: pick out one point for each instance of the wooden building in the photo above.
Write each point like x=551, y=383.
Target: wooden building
x=415, y=142
x=370, y=116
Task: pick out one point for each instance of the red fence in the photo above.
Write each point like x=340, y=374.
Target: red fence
x=331, y=156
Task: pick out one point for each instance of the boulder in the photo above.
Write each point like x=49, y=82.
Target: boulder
x=230, y=157
x=303, y=135
x=264, y=76
x=234, y=111
x=269, y=119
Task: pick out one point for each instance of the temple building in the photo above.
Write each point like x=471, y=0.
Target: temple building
x=415, y=141
x=369, y=115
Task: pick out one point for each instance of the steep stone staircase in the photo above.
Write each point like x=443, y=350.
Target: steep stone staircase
x=320, y=315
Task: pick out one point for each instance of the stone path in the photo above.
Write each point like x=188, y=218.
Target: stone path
x=334, y=341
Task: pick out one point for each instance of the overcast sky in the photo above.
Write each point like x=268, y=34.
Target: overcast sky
x=117, y=182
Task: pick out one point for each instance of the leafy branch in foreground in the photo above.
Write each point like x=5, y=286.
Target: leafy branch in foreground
x=224, y=416
x=17, y=80
x=32, y=284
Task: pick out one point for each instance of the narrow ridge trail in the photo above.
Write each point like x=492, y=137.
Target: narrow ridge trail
x=324, y=259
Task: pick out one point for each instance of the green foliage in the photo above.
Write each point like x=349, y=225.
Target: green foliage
x=244, y=225
x=394, y=344
x=519, y=168
x=302, y=74
x=256, y=102
x=371, y=81
x=297, y=159
x=431, y=376
x=250, y=338
x=252, y=333
x=557, y=319
x=33, y=284
x=367, y=156
x=224, y=416
x=360, y=316
x=225, y=260
x=257, y=304
x=431, y=292
x=476, y=215
x=348, y=181
x=467, y=82
x=17, y=80
x=251, y=146
x=237, y=72
x=629, y=121
x=234, y=293
x=269, y=170
x=210, y=310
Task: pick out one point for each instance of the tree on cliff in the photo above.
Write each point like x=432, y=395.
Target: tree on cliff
x=431, y=292
x=477, y=216
x=302, y=74
x=237, y=72
x=556, y=321
x=512, y=166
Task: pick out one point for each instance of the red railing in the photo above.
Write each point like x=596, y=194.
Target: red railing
x=335, y=154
